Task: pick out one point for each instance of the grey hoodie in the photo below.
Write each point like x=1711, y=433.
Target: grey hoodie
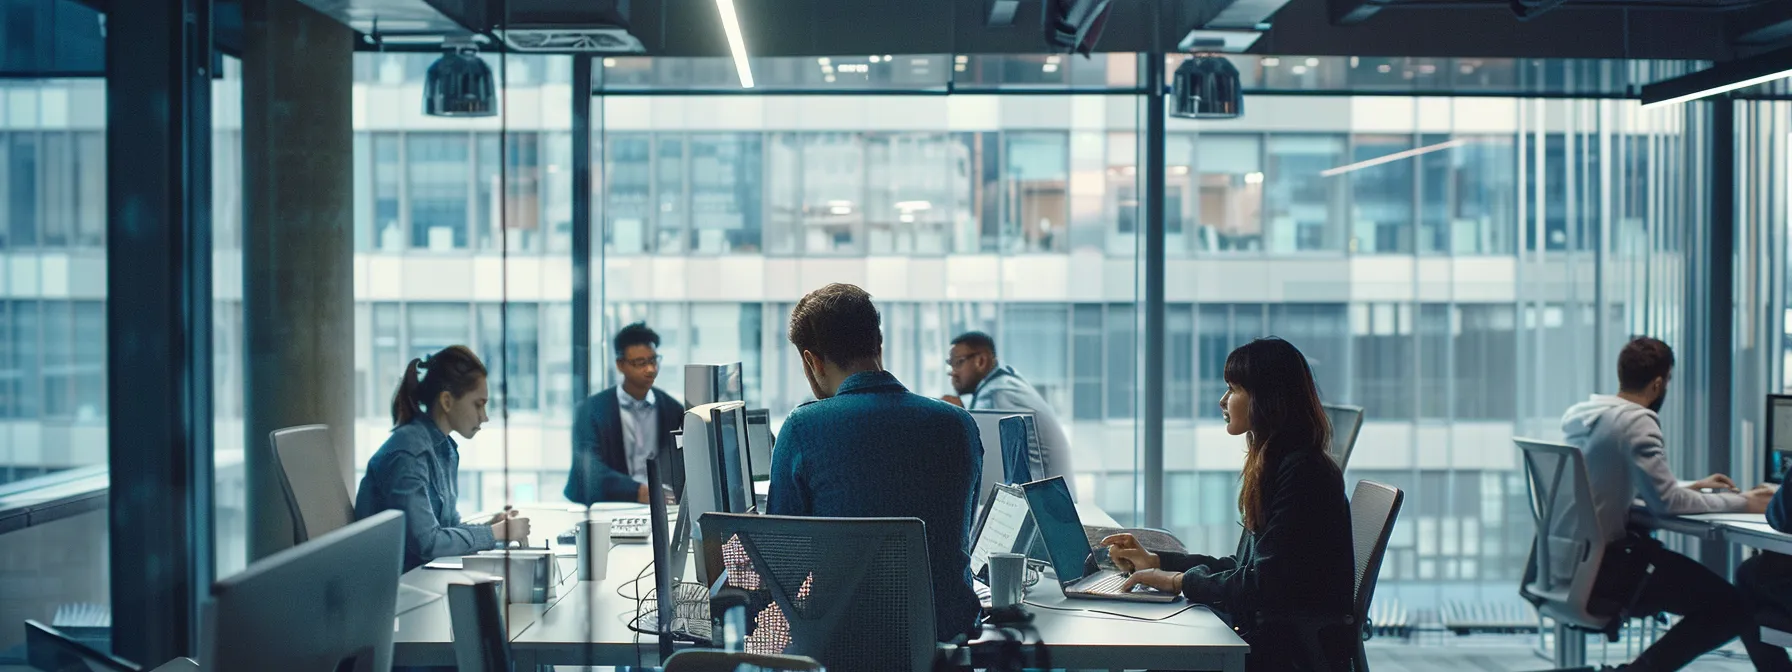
x=1626, y=461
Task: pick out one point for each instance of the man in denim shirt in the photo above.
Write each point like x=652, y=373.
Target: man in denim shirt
x=416, y=470
x=869, y=448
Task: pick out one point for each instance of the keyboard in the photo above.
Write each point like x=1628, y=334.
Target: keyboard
x=623, y=529
x=1108, y=588
x=1110, y=585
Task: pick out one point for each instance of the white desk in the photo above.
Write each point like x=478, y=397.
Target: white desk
x=587, y=623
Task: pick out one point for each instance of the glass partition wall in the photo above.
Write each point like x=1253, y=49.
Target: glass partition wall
x=1463, y=268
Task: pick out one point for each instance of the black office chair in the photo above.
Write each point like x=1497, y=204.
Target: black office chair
x=725, y=661
x=816, y=586
x=1373, y=509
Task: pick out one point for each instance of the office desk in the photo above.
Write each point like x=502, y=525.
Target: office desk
x=587, y=622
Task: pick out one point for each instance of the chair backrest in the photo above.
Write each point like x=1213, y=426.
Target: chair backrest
x=46, y=648
x=1568, y=546
x=481, y=638
x=1347, y=422
x=316, y=495
x=1373, y=509
x=820, y=584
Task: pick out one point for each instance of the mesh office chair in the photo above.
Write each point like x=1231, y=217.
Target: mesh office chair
x=316, y=496
x=1373, y=508
x=481, y=638
x=852, y=593
x=1347, y=422
x=1567, y=549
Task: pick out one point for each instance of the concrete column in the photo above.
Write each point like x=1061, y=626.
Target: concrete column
x=298, y=245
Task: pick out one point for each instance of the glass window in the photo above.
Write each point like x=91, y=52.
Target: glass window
x=628, y=192
x=59, y=190
x=914, y=187
x=727, y=173
x=438, y=168
x=1302, y=204
x=1087, y=362
x=388, y=360
x=832, y=185
x=670, y=187
x=1434, y=338
x=1484, y=184
x=90, y=172
x=1122, y=374
x=433, y=326
x=1035, y=340
x=1035, y=201
x=1384, y=359
x=58, y=360
x=1322, y=332
x=1214, y=187
x=27, y=357
x=511, y=332
x=387, y=175
x=21, y=195
x=1381, y=195
x=1179, y=355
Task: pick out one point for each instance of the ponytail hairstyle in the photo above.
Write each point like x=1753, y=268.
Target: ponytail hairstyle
x=454, y=370
x=1286, y=416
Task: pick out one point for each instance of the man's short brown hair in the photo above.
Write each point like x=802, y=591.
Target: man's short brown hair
x=838, y=323
x=1643, y=360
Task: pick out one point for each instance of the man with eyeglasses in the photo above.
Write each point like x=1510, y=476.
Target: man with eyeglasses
x=975, y=372
x=616, y=430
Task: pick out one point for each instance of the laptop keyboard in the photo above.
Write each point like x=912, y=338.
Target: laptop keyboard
x=1109, y=585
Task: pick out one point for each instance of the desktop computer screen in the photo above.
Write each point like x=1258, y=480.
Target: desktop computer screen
x=717, y=476
x=326, y=604
x=759, y=443
x=734, y=465
x=1779, y=437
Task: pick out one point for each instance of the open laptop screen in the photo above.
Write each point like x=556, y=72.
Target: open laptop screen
x=1059, y=526
x=999, y=531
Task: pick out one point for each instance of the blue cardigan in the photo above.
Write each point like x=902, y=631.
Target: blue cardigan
x=875, y=450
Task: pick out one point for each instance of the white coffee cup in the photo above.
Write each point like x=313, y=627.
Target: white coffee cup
x=593, y=540
x=1007, y=573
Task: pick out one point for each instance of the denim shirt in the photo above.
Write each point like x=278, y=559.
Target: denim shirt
x=416, y=473
x=876, y=450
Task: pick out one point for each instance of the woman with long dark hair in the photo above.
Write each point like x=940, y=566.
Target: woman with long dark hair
x=418, y=468
x=1289, y=589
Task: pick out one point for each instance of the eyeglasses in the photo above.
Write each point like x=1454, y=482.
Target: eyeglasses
x=955, y=362
x=639, y=362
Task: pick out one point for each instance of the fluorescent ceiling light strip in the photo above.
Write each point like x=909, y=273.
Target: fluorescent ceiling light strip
x=1719, y=89
x=737, y=45
x=1390, y=158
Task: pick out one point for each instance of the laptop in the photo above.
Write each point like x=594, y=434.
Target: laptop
x=1068, y=547
x=1004, y=527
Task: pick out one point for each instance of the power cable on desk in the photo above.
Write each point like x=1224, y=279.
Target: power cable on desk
x=1174, y=614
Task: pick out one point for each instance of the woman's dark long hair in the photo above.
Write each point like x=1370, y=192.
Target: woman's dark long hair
x=453, y=370
x=1286, y=415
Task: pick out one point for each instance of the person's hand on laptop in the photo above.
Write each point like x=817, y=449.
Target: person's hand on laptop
x=1128, y=555
x=1156, y=579
x=1717, y=482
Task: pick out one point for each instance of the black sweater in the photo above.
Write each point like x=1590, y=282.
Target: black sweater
x=1301, y=564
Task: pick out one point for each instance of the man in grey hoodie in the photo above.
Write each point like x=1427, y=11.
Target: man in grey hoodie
x=975, y=372
x=1626, y=460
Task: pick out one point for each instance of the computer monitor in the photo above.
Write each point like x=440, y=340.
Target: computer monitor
x=717, y=477
x=326, y=604
x=989, y=431
x=46, y=648
x=1022, y=458
x=1779, y=438
x=760, y=442
x=712, y=383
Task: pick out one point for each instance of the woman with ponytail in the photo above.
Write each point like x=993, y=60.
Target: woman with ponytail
x=418, y=468
x=1289, y=589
